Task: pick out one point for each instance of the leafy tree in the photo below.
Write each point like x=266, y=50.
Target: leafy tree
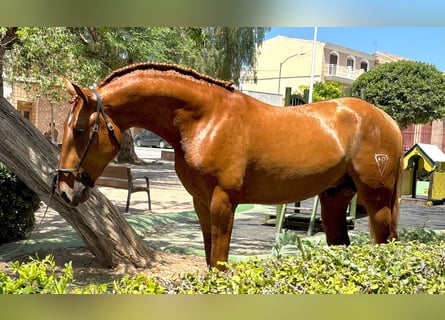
x=113, y=48
x=325, y=91
x=87, y=54
x=41, y=56
x=409, y=91
x=227, y=53
x=44, y=55
x=39, y=59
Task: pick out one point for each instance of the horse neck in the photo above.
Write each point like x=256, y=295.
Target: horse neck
x=159, y=105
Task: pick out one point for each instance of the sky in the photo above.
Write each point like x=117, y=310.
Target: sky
x=424, y=44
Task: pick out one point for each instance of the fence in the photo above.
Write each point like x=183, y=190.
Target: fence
x=415, y=133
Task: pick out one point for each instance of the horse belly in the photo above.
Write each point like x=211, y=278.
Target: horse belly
x=266, y=188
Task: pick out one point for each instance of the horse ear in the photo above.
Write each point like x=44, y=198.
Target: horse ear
x=74, y=89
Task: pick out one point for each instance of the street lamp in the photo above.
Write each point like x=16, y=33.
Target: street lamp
x=281, y=65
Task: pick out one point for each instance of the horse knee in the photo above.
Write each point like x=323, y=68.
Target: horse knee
x=383, y=216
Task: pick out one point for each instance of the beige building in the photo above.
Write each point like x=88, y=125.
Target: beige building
x=383, y=57
x=286, y=62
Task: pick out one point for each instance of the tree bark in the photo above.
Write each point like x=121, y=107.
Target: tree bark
x=103, y=229
x=126, y=153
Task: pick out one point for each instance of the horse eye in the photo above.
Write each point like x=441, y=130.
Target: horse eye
x=79, y=131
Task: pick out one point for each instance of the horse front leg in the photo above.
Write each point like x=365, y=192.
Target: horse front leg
x=203, y=212
x=221, y=219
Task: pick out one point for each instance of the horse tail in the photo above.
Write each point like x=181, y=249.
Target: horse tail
x=395, y=200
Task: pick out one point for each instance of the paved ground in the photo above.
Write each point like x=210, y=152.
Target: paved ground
x=172, y=224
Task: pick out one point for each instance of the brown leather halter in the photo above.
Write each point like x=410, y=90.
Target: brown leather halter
x=83, y=176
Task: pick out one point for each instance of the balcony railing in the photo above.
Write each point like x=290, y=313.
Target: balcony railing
x=334, y=70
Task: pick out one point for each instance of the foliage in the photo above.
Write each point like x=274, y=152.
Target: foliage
x=41, y=56
x=421, y=235
x=325, y=91
x=422, y=175
x=407, y=266
x=112, y=48
x=285, y=238
x=393, y=268
x=228, y=53
x=410, y=92
x=138, y=284
x=86, y=54
x=17, y=206
x=36, y=276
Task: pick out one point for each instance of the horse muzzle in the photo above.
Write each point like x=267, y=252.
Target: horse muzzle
x=74, y=196
x=76, y=191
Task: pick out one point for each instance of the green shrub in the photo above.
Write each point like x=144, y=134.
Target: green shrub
x=406, y=266
x=421, y=235
x=36, y=276
x=17, y=206
x=138, y=284
x=40, y=276
x=397, y=267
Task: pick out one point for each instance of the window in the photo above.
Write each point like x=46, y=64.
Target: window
x=364, y=65
x=333, y=58
x=350, y=62
x=27, y=114
x=333, y=62
x=25, y=109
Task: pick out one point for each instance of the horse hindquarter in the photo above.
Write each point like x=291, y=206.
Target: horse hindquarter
x=377, y=170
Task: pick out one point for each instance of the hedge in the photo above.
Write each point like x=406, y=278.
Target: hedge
x=407, y=266
x=17, y=206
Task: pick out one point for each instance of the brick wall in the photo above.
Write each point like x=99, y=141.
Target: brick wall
x=38, y=109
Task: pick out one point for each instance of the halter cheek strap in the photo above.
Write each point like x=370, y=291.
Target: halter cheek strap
x=83, y=176
x=100, y=109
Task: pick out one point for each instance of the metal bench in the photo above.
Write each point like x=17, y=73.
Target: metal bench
x=121, y=177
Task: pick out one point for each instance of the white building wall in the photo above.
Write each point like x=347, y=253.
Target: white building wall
x=270, y=98
x=295, y=71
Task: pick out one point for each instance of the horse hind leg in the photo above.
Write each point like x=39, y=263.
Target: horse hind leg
x=334, y=203
x=381, y=200
x=382, y=210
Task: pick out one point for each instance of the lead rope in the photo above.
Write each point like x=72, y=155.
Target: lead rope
x=53, y=189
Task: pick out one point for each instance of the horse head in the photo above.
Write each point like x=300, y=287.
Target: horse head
x=90, y=141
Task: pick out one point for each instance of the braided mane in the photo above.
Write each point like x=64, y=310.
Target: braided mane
x=164, y=67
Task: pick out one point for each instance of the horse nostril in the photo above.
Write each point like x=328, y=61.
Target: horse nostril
x=65, y=197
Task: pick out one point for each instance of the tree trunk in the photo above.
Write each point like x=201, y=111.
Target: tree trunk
x=103, y=229
x=6, y=43
x=127, y=153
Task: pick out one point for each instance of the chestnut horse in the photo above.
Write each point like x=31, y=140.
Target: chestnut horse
x=231, y=148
